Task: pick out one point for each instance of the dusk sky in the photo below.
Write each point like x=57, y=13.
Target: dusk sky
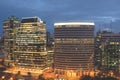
x=102, y=12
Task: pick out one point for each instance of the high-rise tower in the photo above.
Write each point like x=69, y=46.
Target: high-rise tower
x=108, y=53
x=74, y=45
x=31, y=43
x=10, y=26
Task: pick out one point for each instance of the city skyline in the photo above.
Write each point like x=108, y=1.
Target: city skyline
x=54, y=11
x=70, y=56
x=60, y=39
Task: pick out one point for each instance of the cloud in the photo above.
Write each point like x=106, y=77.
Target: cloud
x=112, y=19
x=100, y=11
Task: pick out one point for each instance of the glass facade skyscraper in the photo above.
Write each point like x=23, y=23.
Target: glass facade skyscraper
x=30, y=49
x=10, y=26
x=108, y=53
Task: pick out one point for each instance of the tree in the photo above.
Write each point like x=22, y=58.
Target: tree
x=29, y=77
x=41, y=77
x=18, y=76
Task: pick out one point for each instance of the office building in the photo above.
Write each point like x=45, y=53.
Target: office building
x=50, y=58
x=48, y=38
x=109, y=51
x=10, y=26
x=74, y=45
x=98, y=51
x=30, y=49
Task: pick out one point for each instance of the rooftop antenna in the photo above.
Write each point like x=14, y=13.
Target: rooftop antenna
x=100, y=27
x=111, y=25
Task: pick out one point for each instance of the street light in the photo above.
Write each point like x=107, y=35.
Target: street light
x=3, y=77
x=11, y=78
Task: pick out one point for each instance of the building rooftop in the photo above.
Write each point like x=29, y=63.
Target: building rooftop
x=31, y=19
x=12, y=18
x=111, y=35
x=74, y=23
